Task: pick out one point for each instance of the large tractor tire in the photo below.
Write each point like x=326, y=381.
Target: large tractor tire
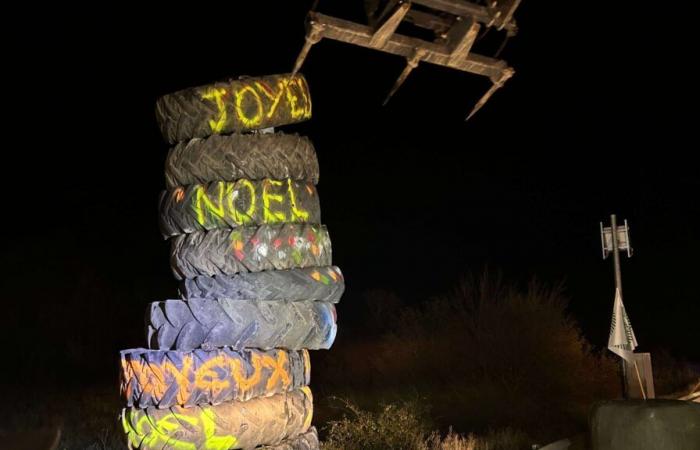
x=230, y=425
x=250, y=249
x=645, y=425
x=252, y=156
x=233, y=204
x=207, y=324
x=232, y=106
x=324, y=284
x=173, y=378
x=306, y=441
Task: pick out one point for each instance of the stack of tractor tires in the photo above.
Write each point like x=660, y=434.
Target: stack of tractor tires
x=227, y=365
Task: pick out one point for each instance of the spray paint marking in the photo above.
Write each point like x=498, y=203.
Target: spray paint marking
x=161, y=429
x=250, y=103
x=158, y=433
x=307, y=420
x=217, y=95
x=270, y=373
x=238, y=202
x=291, y=243
x=241, y=111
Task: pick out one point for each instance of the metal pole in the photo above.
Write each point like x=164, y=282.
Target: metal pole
x=616, y=254
x=618, y=286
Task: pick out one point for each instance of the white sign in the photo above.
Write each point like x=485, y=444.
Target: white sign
x=622, y=341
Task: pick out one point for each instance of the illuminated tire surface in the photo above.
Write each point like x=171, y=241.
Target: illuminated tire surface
x=229, y=204
x=171, y=378
x=252, y=156
x=233, y=106
x=199, y=323
x=324, y=284
x=306, y=441
x=250, y=249
x=230, y=425
x=636, y=424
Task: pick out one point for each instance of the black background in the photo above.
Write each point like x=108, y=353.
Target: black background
x=599, y=119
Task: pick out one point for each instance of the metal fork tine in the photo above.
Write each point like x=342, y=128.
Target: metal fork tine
x=411, y=63
x=497, y=84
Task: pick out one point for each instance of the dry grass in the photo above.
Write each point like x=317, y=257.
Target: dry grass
x=453, y=442
x=87, y=417
x=489, y=355
x=405, y=427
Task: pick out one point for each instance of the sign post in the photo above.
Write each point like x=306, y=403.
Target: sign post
x=613, y=239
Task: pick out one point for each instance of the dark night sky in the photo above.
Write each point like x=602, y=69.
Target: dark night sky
x=596, y=120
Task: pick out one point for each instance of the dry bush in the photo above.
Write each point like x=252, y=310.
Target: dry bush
x=404, y=427
x=672, y=376
x=399, y=427
x=488, y=355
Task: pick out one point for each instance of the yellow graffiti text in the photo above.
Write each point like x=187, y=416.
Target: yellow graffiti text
x=239, y=218
x=218, y=96
x=243, y=116
x=275, y=97
x=298, y=214
x=237, y=202
x=294, y=108
x=269, y=215
x=154, y=433
x=201, y=198
x=253, y=102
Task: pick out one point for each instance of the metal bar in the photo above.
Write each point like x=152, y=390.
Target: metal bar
x=618, y=286
x=375, y=14
x=602, y=241
x=464, y=9
x=389, y=24
x=353, y=33
x=616, y=254
x=461, y=37
x=639, y=379
x=505, y=10
x=411, y=63
x=629, y=242
x=428, y=21
x=313, y=35
x=458, y=8
x=497, y=84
